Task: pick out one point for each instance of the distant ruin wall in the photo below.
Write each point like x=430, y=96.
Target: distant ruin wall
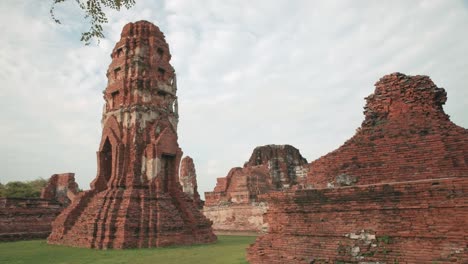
x=409, y=222
x=233, y=205
x=237, y=218
x=22, y=218
x=270, y=167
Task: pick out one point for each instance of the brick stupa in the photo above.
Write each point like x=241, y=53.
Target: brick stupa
x=136, y=200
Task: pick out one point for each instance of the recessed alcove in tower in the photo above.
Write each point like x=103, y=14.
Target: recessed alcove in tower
x=106, y=160
x=167, y=170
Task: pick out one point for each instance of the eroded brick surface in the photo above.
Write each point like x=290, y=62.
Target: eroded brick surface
x=285, y=164
x=136, y=200
x=411, y=222
x=405, y=136
x=188, y=180
x=61, y=188
x=396, y=192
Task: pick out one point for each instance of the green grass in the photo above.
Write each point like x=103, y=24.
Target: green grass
x=228, y=249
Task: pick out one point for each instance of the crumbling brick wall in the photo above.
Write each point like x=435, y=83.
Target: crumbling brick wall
x=30, y=218
x=23, y=218
x=409, y=222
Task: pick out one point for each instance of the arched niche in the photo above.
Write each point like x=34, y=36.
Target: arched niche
x=107, y=156
x=106, y=160
x=168, y=170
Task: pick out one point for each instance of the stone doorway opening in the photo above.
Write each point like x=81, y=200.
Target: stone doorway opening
x=106, y=160
x=167, y=170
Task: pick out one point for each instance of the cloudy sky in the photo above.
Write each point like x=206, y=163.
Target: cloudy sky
x=250, y=73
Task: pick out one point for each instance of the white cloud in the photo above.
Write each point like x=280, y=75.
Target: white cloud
x=249, y=73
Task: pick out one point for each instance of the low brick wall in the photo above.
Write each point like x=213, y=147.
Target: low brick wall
x=408, y=222
x=237, y=218
x=23, y=218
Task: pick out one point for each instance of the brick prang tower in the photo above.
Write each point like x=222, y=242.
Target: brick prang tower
x=136, y=200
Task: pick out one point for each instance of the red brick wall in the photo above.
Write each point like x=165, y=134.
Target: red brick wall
x=409, y=222
x=23, y=218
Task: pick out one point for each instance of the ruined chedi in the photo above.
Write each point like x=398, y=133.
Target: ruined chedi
x=233, y=205
x=406, y=135
x=136, y=200
x=396, y=192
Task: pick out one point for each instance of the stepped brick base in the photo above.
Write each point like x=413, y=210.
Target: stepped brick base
x=102, y=220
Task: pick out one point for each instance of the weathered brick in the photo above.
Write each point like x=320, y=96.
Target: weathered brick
x=406, y=195
x=136, y=199
x=405, y=136
x=29, y=218
x=61, y=188
x=233, y=205
x=188, y=180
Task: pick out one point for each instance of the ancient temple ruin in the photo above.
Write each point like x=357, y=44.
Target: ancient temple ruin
x=136, y=200
x=233, y=205
x=396, y=192
x=406, y=135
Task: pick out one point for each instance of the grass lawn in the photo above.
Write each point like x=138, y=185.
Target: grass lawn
x=228, y=249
